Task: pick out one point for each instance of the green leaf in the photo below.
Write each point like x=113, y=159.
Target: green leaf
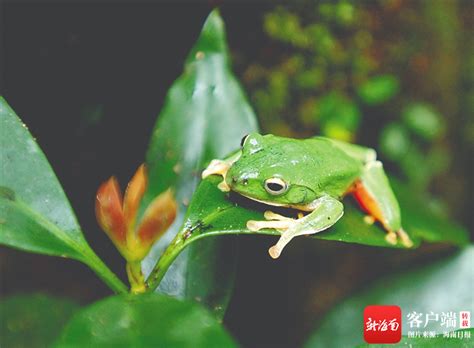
x=378, y=89
x=27, y=173
x=35, y=214
x=443, y=286
x=423, y=120
x=150, y=320
x=204, y=117
x=212, y=212
x=439, y=341
x=33, y=320
x=25, y=229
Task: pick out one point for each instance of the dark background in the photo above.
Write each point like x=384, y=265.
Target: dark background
x=89, y=81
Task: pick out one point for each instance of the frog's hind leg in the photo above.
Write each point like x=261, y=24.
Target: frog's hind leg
x=374, y=194
x=362, y=153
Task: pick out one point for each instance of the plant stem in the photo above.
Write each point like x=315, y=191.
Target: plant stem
x=104, y=272
x=182, y=239
x=135, y=277
x=164, y=262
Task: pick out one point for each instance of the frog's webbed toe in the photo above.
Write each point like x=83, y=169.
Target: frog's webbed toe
x=273, y=220
x=326, y=212
x=216, y=167
x=221, y=167
x=392, y=238
x=404, y=238
x=278, y=222
x=296, y=229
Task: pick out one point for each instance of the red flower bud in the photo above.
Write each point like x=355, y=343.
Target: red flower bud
x=119, y=218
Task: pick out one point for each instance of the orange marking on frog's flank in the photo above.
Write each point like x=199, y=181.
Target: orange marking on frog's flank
x=367, y=202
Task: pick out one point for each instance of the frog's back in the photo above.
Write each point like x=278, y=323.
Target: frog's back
x=319, y=164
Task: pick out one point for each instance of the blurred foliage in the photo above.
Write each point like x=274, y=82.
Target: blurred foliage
x=329, y=71
x=413, y=290
x=364, y=72
x=147, y=320
x=33, y=320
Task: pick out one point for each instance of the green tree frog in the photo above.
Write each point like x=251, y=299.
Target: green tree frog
x=312, y=176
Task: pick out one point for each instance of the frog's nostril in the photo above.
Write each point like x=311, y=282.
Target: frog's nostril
x=234, y=180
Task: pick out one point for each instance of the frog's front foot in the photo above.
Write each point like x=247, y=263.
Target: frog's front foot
x=273, y=220
x=221, y=167
x=327, y=211
x=277, y=222
x=218, y=167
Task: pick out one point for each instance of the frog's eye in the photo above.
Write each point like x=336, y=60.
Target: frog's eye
x=242, y=142
x=275, y=186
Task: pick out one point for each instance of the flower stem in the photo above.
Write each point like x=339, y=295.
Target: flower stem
x=135, y=277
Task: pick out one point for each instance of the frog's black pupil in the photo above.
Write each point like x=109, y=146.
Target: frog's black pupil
x=272, y=186
x=243, y=140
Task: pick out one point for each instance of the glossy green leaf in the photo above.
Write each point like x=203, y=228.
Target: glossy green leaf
x=35, y=214
x=27, y=173
x=33, y=320
x=151, y=320
x=27, y=230
x=378, y=89
x=423, y=120
x=205, y=115
x=461, y=339
x=443, y=286
x=212, y=212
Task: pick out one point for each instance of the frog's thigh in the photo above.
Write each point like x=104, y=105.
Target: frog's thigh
x=375, y=195
x=363, y=154
x=327, y=212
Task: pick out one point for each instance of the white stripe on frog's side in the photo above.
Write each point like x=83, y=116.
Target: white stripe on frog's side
x=306, y=207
